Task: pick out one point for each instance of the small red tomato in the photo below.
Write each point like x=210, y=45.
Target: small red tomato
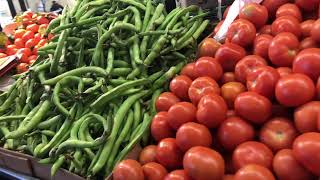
x=168, y=154
x=230, y=91
x=11, y=50
x=247, y=65
x=283, y=71
x=165, y=101
x=33, y=27
x=160, y=127
x=273, y=5
x=309, y=5
x=241, y=32
x=254, y=172
x=19, y=33
x=32, y=59
x=228, y=77
x=208, y=47
x=181, y=113
x=154, y=171
x=306, y=27
x=306, y=117
x=318, y=88
x=26, y=53
x=42, y=42
x=229, y=54
x=180, y=86
x=2, y=55
x=19, y=43
x=22, y=67
x=30, y=43
x=201, y=87
x=35, y=50
x=208, y=66
x=308, y=62
x=308, y=43
x=266, y=29
x=128, y=169
x=177, y=175
x=148, y=154
x=212, y=110
x=27, y=14
x=188, y=70
x=255, y=13
x=286, y=24
x=261, y=45
x=315, y=35
x=28, y=35
x=289, y=10
x=42, y=20
x=37, y=38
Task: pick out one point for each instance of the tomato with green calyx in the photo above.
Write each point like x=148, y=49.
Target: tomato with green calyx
x=255, y=13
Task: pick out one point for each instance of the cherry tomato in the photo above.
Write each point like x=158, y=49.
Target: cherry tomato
x=230, y=91
x=32, y=59
x=177, y=175
x=208, y=66
x=234, y=131
x=255, y=13
x=154, y=171
x=254, y=172
x=30, y=43
x=37, y=38
x=246, y=65
x=294, y=90
x=2, y=55
x=308, y=62
x=208, y=47
x=283, y=49
x=315, y=35
x=241, y=32
x=286, y=24
x=19, y=33
x=42, y=20
x=306, y=148
x=181, y=113
x=165, y=101
x=128, y=169
x=266, y=29
x=228, y=77
x=22, y=67
x=168, y=153
x=253, y=107
x=180, y=86
x=148, y=154
x=160, y=127
x=201, y=163
x=26, y=53
x=193, y=134
x=201, y=87
x=305, y=117
x=306, y=27
x=289, y=10
x=228, y=55
x=286, y=166
x=212, y=110
x=11, y=50
x=19, y=43
x=309, y=5
x=261, y=45
x=308, y=43
x=28, y=35
x=273, y=5
x=188, y=70
x=283, y=71
x=33, y=27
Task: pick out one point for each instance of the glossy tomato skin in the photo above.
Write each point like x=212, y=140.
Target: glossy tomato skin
x=168, y=154
x=208, y=47
x=177, y=175
x=253, y=107
x=315, y=34
x=22, y=67
x=247, y=65
x=154, y=171
x=42, y=20
x=27, y=35
x=278, y=133
x=308, y=62
x=261, y=45
x=309, y=5
x=229, y=54
x=33, y=27
x=318, y=89
x=188, y=70
x=306, y=148
x=286, y=167
x=283, y=49
x=180, y=86
x=230, y=91
x=208, y=66
x=266, y=29
x=201, y=163
x=148, y=154
x=2, y=55
x=193, y=134
x=306, y=27
x=19, y=33
x=26, y=53
x=255, y=13
x=305, y=117
x=254, y=172
x=273, y=5
x=286, y=24
x=181, y=113
x=308, y=43
x=201, y=87
x=30, y=43
x=283, y=71
x=294, y=90
x=252, y=152
x=160, y=127
x=128, y=169
x=241, y=32
x=234, y=131
x=212, y=110
x=289, y=10
x=228, y=77
x=165, y=101
x=11, y=50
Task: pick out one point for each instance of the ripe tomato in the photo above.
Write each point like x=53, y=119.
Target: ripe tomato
x=42, y=20
x=35, y=50
x=212, y=110
x=263, y=80
x=286, y=24
x=208, y=66
x=283, y=49
x=148, y=154
x=306, y=148
x=11, y=50
x=308, y=43
x=252, y=152
x=177, y=175
x=42, y=42
x=22, y=67
x=208, y=47
x=229, y=54
x=308, y=62
x=154, y=171
x=233, y=132
x=254, y=172
x=306, y=116
x=201, y=163
x=306, y=27
x=37, y=38
x=27, y=35
x=230, y=91
x=188, y=70
x=255, y=13
x=228, y=177
x=33, y=27
x=180, y=86
x=318, y=88
x=228, y=77
x=32, y=59
x=2, y=55
x=27, y=14
x=193, y=134
x=315, y=35
x=201, y=87
x=294, y=90
x=261, y=45
x=289, y=10
x=19, y=43
x=309, y=5
x=160, y=127
x=27, y=21
x=266, y=29
x=128, y=169
x=19, y=33
x=283, y=71
x=181, y=113
x=253, y=107
x=246, y=65
x=168, y=153
x=241, y=32
x=273, y=5
x=30, y=43
x=165, y=101
x=286, y=166
x=26, y=53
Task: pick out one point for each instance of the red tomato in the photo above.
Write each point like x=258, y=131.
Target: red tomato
x=306, y=27
x=168, y=153
x=188, y=70
x=289, y=10
x=154, y=171
x=128, y=169
x=273, y=5
x=308, y=62
x=230, y=91
x=286, y=166
x=208, y=47
x=201, y=163
x=177, y=175
x=28, y=35
x=228, y=77
x=263, y=80
x=33, y=27
x=32, y=59
x=231, y=113
x=42, y=20
x=306, y=148
x=35, y=50
x=315, y=31
x=11, y=50
x=19, y=43
x=27, y=14
x=228, y=177
x=27, y=21
x=181, y=113
x=30, y=43
x=283, y=71
x=261, y=45
x=165, y=101
x=254, y=172
x=308, y=43
x=212, y=110
x=193, y=134
x=180, y=86
x=253, y=107
x=160, y=127
x=294, y=90
x=286, y=24
x=318, y=88
x=266, y=29
x=241, y=32
x=201, y=87
x=19, y=33
x=2, y=55
x=309, y=5
x=228, y=55
x=42, y=42
x=233, y=132
x=148, y=154
x=26, y=53
x=306, y=116
x=252, y=152
x=208, y=66
x=255, y=13
x=283, y=49
x=37, y=38
x=22, y=67
x=246, y=65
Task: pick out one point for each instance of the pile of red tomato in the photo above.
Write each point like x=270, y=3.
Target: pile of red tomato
x=27, y=38
x=247, y=109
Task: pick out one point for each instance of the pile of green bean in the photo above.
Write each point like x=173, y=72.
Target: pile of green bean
x=89, y=98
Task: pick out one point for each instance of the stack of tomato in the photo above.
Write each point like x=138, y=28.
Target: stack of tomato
x=247, y=109
x=28, y=37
